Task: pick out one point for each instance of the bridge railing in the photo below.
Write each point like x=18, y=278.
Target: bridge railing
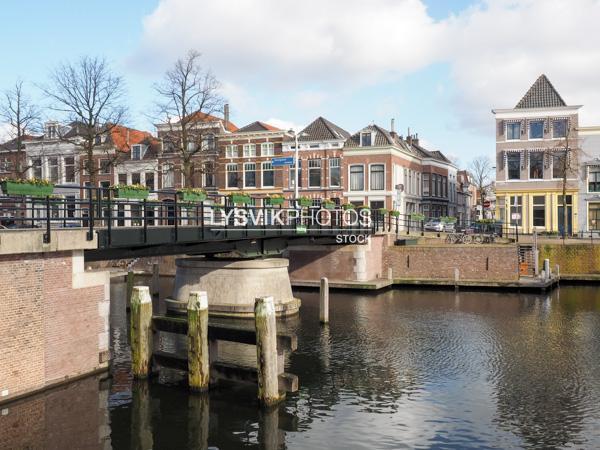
x=96, y=208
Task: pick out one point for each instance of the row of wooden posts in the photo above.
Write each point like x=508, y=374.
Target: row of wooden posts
x=198, y=362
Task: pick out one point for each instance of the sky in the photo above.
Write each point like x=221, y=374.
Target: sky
x=437, y=67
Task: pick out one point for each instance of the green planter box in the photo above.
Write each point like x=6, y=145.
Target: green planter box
x=12, y=188
x=328, y=205
x=348, y=206
x=137, y=194
x=395, y=213
x=306, y=202
x=275, y=201
x=237, y=198
x=191, y=196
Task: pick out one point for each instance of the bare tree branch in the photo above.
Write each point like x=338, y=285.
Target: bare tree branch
x=481, y=169
x=91, y=98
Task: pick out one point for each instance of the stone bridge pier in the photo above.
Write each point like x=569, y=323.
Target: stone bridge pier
x=55, y=315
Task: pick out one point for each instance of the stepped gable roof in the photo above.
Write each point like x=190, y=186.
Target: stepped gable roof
x=541, y=94
x=383, y=138
x=257, y=126
x=322, y=129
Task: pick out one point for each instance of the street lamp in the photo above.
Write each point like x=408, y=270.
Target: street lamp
x=296, y=162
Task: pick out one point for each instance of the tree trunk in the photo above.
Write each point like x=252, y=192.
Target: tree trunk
x=188, y=173
x=565, y=208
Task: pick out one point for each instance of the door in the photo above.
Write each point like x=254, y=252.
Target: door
x=561, y=219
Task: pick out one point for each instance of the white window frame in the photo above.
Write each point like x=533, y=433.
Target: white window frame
x=317, y=165
x=255, y=172
x=231, y=151
x=263, y=170
x=267, y=149
x=339, y=167
x=228, y=170
x=141, y=149
x=249, y=150
x=518, y=138
x=350, y=166
x=168, y=174
x=384, y=177
x=370, y=134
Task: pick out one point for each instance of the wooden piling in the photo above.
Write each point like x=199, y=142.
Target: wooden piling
x=198, y=364
x=130, y=280
x=155, y=280
x=324, y=301
x=141, y=331
x=266, y=351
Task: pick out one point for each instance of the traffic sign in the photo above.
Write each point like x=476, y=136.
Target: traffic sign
x=487, y=204
x=286, y=161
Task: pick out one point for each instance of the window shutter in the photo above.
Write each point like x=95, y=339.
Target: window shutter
x=501, y=128
x=500, y=160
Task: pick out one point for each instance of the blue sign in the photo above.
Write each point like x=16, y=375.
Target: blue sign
x=280, y=162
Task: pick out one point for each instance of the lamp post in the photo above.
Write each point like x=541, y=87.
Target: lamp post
x=296, y=164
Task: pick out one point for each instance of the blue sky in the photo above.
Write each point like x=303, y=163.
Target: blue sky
x=435, y=66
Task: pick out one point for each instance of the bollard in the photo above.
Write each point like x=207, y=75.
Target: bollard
x=557, y=270
x=198, y=366
x=390, y=273
x=130, y=280
x=266, y=351
x=547, y=269
x=456, y=278
x=141, y=331
x=324, y=301
x=155, y=280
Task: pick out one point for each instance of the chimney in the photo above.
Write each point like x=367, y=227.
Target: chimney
x=392, y=125
x=416, y=139
x=226, y=114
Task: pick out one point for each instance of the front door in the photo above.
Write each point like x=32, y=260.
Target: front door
x=561, y=219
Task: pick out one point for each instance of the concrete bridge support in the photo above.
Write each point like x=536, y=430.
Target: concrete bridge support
x=54, y=323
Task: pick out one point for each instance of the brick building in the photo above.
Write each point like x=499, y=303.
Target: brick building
x=320, y=150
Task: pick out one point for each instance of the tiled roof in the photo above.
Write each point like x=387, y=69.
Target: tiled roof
x=322, y=129
x=123, y=138
x=541, y=95
x=383, y=138
x=424, y=153
x=12, y=144
x=204, y=117
x=258, y=126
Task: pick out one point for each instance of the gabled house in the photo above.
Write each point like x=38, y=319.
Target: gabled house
x=320, y=151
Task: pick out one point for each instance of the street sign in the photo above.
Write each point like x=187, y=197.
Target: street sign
x=280, y=162
x=515, y=216
x=300, y=229
x=487, y=204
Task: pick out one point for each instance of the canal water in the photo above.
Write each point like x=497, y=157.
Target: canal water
x=398, y=369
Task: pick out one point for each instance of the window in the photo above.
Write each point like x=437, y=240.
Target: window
x=136, y=178
x=53, y=172
x=267, y=149
x=376, y=204
x=104, y=166
x=559, y=162
x=334, y=172
x=536, y=165
x=513, y=130
x=268, y=175
x=5, y=165
x=445, y=187
x=69, y=169
x=209, y=175
x=51, y=132
x=536, y=129
x=425, y=185
x=516, y=206
x=136, y=151
x=314, y=173
x=249, y=150
x=231, y=151
x=513, y=163
x=249, y=175
x=594, y=216
x=232, y=175
x=594, y=180
x=357, y=178
x=168, y=176
x=122, y=177
x=104, y=185
x=150, y=180
x=559, y=128
x=539, y=211
x=365, y=139
x=208, y=142
x=377, y=177
x=36, y=167
x=293, y=174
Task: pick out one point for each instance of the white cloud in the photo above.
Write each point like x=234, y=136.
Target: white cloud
x=284, y=124
x=324, y=49
x=5, y=132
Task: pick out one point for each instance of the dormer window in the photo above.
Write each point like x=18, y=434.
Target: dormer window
x=137, y=151
x=366, y=139
x=51, y=131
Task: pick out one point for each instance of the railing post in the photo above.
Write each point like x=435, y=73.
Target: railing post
x=90, y=233
x=47, y=234
x=266, y=351
x=109, y=223
x=198, y=366
x=202, y=217
x=141, y=331
x=176, y=217
x=324, y=301
x=145, y=220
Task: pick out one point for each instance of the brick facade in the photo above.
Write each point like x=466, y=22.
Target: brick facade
x=50, y=329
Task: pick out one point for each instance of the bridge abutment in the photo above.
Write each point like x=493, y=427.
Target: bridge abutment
x=55, y=315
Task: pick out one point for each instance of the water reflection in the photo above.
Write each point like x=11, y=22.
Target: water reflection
x=399, y=369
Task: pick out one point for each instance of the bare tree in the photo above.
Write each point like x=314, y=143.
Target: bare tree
x=23, y=118
x=565, y=163
x=481, y=169
x=90, y=97
x=187, y=96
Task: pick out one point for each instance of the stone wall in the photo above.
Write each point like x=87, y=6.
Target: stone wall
x=54, y=320
x=475, y=262
x=573, y=259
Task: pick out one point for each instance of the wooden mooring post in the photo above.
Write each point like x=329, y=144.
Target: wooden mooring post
x=266, y=351
x=155, y=280
x=130, y=281
x=198, y=365
x=141, y=331
x=324, y=301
